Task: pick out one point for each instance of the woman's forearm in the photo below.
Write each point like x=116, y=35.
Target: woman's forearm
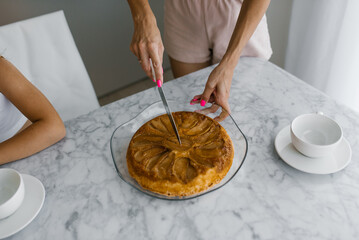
x=141, y=11
x=36, y=137
x=251, y=13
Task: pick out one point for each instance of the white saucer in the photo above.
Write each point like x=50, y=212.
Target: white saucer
x=33, y=201
x=335, y=162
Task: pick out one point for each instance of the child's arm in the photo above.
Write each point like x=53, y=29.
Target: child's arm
x=47, y=127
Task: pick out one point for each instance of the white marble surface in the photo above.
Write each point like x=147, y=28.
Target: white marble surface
x=266, y=200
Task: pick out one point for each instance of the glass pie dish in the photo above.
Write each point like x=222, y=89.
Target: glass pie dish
x=123, y=134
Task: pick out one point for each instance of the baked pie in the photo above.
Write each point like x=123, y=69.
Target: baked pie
x=160, y=164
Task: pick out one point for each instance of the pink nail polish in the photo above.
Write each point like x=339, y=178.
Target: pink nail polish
x=153, y=80
x=159, y=83
x=194, y=99
x=203, y=103
x=191, y=103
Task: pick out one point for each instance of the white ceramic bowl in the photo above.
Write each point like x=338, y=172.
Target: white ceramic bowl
x=315, y=135
x=12, y=192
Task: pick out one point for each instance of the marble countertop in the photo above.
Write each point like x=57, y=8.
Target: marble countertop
x=267, y=199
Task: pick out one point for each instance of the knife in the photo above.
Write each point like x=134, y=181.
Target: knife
x=164, y=100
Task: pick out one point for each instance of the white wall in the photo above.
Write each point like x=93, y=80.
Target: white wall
x=278, y=17
x=102, y=30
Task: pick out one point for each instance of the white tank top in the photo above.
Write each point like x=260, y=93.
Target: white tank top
x=11, y=119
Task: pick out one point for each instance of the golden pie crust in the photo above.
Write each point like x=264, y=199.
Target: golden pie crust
x=158, y=163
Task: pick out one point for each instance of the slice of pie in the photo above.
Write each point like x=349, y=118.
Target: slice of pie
x=160, y=164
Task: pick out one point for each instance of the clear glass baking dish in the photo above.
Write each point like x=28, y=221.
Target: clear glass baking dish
x=122, y=136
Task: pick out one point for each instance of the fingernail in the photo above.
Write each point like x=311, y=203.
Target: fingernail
x=153, y=80
x=203, y=103
x=191, y=103
x=159, y=83
x=194, y=99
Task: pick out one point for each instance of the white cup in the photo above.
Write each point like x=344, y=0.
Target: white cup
x=315, y=135
x=12, y=191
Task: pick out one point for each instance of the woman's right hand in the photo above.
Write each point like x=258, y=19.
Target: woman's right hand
x=147, y=43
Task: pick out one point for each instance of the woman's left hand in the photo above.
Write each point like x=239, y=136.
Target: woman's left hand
x=216, y=92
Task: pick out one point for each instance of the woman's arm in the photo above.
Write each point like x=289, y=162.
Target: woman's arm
x=219, y=82
x=251, y=14
x=146, y=41
x=47, y=127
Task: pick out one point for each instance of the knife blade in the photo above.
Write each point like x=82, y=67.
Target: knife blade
x=165, y=104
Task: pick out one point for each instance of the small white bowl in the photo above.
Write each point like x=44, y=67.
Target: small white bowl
x=12, y=191
x=315, y=135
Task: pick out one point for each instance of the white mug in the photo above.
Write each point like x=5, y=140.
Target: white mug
x=315, y=135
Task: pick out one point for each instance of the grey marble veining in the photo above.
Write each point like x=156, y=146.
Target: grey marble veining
x=85, y=198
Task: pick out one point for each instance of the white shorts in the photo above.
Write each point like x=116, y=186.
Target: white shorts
x=197, y=31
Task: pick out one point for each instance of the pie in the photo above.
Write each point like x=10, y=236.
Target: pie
x=157, y=161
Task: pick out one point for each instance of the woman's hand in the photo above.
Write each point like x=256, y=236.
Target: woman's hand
x=147, y=43
x=219, y=82
x=216, y=92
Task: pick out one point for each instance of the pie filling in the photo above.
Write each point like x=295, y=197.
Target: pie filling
x=160, y=164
